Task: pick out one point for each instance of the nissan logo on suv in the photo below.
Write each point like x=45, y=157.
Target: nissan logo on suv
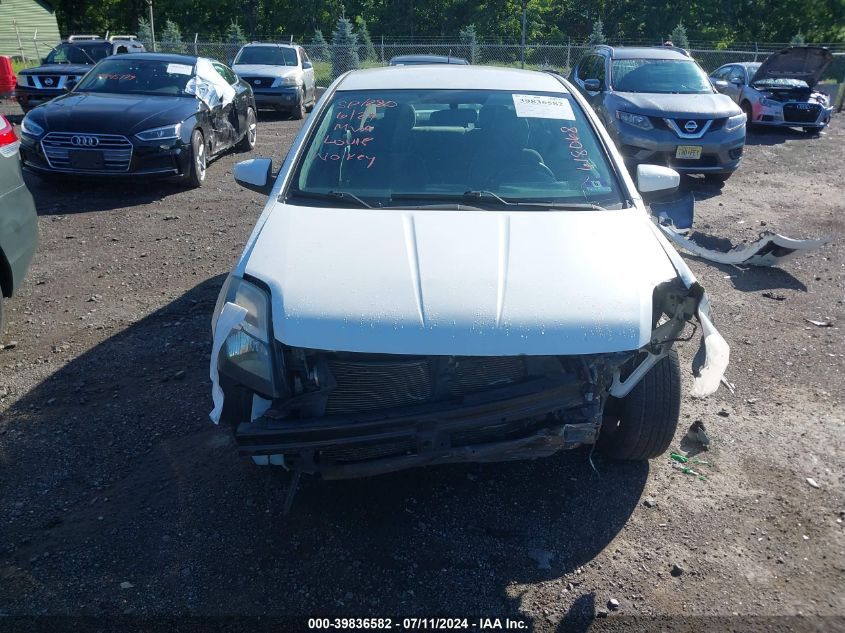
x=690, y=126
x=85, y=141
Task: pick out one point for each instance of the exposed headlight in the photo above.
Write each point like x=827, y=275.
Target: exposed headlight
x=30, y=128
x=247, y=353
x=769, y=103
x=284, y=81
x=160, y=133
x=736, y=121
x=637, y=120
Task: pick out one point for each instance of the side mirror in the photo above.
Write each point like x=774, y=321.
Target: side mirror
x=307, y=65
x=255, y=174
x=655, y=178
x=737, y=81
x=592, y=85
x=720, y=84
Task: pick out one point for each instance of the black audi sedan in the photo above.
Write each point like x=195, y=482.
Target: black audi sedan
x=140, y=115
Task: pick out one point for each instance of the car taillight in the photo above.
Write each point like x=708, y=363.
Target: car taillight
x=9, y=143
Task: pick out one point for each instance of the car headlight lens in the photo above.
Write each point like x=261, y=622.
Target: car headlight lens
x=161, y=133
x=637, y=120
x=769, y=103
x=247, y=354
x=29, y=127
x=284, y=81
x=736, y=121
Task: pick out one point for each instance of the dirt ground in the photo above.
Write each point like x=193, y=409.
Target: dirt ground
x=119, y=497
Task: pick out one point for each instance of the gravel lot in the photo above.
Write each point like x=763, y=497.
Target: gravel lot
x=120, y=497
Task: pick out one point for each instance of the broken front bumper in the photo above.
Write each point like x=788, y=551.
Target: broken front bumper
x=525, y=421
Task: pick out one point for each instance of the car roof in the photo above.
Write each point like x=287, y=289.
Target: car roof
x=647, y=52
x=450, y=77
x=271, y=44
x=441, y=59
x=161, y=57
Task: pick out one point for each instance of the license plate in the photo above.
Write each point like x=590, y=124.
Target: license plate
x=85, y=159
x=688, y=152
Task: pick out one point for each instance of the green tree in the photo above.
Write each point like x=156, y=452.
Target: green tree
x=171, y=38
x=798, y=39
x=319, y=48
x=234, y=34
x=469, y=42
x=145, y=33
x=596, y=36
x=366, y=50
x=679, y=36
x=344, y=48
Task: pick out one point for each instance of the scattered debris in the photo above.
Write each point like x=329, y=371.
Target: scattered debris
x=648, y=502
x=9, y=345
x=774, y=295
x=770, y=249
x=724, y=413
x=677, y=570
x=828, y=323
x=601, y=613
x=812, y=483
x=542, y=557
x=679, y=458
x=126, y=585
x=731, y=387
x=613, y=604
x=698, y=434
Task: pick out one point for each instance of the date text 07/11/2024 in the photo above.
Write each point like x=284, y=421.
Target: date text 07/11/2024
x=418, y=624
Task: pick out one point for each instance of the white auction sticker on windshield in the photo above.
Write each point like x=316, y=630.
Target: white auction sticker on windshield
x=179, y=69
x=543, y=107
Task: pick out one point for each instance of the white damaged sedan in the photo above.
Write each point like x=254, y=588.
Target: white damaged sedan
x=454, y=266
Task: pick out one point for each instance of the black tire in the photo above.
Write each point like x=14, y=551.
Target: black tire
x=199, y=160
x=746, y=107
x=641, y=425
x=299, y=112
x=247, y=143
x=2, y=319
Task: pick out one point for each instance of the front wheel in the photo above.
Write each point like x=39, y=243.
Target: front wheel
x=196, y=175
x=642, y=424
x=247, y=143
x=299, y=111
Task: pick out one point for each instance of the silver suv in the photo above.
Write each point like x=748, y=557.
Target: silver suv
x=659, y=107
x=281, y=76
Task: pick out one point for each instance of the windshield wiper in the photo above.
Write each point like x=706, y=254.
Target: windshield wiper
x=330, y=195
x=477, y=195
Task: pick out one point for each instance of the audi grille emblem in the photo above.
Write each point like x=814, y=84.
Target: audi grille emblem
x=690, y=126
x=85, y=141
x=48, y=81
x=804, y=106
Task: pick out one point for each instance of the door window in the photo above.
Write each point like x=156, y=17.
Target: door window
x=225, y=72
x=737, y=72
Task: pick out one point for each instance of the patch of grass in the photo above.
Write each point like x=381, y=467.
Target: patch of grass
x=18, y=65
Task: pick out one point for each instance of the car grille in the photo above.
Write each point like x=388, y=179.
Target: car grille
x=365, y=385
x=116, y=150
x=49, y=82
x=697, y=127
x=801, y=113
x=259, y=82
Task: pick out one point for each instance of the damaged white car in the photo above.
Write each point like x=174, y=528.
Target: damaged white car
x=780, y=91
x=453, y=266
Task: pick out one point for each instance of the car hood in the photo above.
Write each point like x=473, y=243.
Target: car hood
x=806, y=63
x=111, y=113
x=58, y=69
x=703, y=106
x=264, y=70
x=459, y=282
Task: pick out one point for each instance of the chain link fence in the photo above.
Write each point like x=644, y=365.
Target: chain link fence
x=329, y=61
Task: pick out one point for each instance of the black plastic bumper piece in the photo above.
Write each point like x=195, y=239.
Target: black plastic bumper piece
x=534, y=419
